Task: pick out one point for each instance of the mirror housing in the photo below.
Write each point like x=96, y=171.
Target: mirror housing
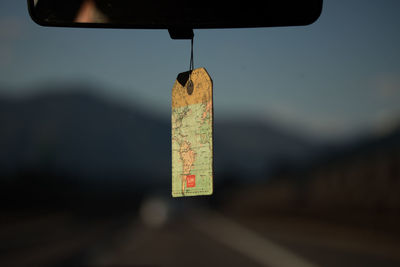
x=178, y=16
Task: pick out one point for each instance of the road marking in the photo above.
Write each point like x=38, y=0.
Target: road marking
x=249, y=243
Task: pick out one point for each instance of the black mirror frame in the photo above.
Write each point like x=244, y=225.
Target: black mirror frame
x=175, y=32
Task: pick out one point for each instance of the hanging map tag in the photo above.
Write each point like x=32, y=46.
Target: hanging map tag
x=192, y=134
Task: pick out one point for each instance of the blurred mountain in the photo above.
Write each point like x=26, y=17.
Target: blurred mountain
x=82, y=135
x=253, y=149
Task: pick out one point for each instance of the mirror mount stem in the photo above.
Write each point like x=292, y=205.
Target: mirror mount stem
x=181, y=33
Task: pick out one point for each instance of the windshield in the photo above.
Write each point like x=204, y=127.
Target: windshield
x=306, y=144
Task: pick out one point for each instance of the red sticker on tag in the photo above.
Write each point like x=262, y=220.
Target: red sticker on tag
x=190, y=181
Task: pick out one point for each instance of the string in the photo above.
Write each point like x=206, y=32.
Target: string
x=191, y=66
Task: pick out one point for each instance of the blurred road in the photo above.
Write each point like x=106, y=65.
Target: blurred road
x=203, y=239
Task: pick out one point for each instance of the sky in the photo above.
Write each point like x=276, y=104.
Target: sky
x=336, y=78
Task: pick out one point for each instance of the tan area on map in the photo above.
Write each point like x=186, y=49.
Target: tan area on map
x=201, y=93
x=187, y=156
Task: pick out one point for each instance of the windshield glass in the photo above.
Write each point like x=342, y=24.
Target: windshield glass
x=306, y=144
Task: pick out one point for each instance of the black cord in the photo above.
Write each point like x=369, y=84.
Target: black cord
x=190, y=86
x=191, y=66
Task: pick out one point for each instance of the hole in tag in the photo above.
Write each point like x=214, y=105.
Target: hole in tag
x=190, y=87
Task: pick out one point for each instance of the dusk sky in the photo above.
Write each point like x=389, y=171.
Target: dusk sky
x=335, y=78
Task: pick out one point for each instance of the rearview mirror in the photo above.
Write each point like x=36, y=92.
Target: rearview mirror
x=178, y=16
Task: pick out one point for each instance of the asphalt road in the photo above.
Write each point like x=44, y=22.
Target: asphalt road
x=204, y=239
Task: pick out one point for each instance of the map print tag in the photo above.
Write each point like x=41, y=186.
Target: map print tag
x=192, y=134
